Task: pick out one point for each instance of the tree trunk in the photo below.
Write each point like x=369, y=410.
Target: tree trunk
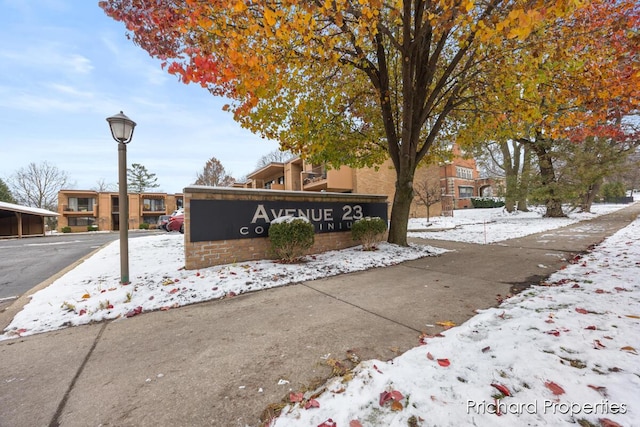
x=525, y=177
x=590, y=196
x=553, y=202
x=401, y=208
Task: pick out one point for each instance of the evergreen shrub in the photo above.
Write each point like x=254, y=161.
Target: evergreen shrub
x=370, y=231
x=291, y=237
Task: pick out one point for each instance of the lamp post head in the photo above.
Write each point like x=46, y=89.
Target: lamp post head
x=121, y=127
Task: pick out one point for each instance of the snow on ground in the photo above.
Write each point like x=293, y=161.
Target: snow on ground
x=558, y=354
x=494, y=225
x=92, y=292
x=552, y=355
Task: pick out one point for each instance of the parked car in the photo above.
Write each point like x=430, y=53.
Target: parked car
x=176, y=223
x=163, y=220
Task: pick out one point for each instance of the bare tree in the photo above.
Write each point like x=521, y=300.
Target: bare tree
x=214, y=175
x=428, y=193
x=276, y=156
x=38, y=185
x=103, y=186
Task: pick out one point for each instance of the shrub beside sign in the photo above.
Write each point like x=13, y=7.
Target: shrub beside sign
x=242, y=219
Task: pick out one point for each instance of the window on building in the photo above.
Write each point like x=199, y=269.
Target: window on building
x=464, y=173
x=465, y=192
x=82, y=221
x=81, y=204
x=153, y=205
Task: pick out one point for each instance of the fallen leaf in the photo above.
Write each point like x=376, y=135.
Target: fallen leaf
x=355, y=423
x=296, y=397
x=582, y=311
x=429, y=356
x=174, y=290
x=376, y=368
x=600, y=389
x=86, y=296
x=393, y=395
x=134, y=312
x=591, y=328
x=606, y=422
x=446, y=324
x=629, y=349
x=396, y=406
x=555, y=388
x=311, y=403
x=487, y=348
x=328, y=423
x=598, y=345
x=633, y=316
x=502, y=389
x=553, y=332
x=83, y=311
x=444, y=362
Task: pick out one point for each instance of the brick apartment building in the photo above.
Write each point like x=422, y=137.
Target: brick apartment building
x=458, y=181
x=80, y=209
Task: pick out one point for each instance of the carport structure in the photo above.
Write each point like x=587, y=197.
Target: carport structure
x=22, y=221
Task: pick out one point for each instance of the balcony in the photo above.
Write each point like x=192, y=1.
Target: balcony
x=321, y=179
x=79, y=211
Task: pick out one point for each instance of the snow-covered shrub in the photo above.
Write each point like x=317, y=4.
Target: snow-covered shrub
x=291, y=237
x=370, y=231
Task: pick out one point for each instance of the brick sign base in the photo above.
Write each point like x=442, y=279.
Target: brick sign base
x=228, y=225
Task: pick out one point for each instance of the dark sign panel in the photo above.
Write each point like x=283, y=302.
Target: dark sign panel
x=242, y=219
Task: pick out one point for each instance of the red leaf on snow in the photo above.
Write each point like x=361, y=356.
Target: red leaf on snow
x=355, y=423
x=619, y=289
x=502, y=389
x=83, y=311
x=576, y=286
x=487, y=348
x=600, y=389
x=598, y=345
x=444, y=362
x=328, y=423
x=296, y=397
x=555, y=388
x=429, y=356
x=312, y=403
x=174, y=290
x=606, y=422
x=582, y=311
x=591, y=328
x=134, y=312
x=376, y=368
x=386, y=396
x=553, y=332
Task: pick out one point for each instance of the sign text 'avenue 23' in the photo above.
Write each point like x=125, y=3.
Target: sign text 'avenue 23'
x=240, y=219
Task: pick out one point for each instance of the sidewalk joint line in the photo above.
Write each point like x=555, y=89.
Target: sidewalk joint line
x=55, y=422
x=361, y=308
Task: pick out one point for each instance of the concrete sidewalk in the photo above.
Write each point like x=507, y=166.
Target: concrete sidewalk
x=221, y=363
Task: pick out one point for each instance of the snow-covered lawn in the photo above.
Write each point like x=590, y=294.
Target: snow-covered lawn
x=494, y=225
x=552, y=355
x=559, y=354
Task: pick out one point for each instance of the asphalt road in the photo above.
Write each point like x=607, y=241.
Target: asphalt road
x=24, y=263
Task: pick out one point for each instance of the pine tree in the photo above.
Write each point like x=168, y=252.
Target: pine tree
x=140, y=179
x=5, y=193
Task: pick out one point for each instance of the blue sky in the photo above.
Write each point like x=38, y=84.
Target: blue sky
x=65, y=67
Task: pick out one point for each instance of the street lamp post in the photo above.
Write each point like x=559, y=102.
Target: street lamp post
x=122, y=131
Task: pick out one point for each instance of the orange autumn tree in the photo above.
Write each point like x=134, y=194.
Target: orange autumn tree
x=573, y=80
x=350, y=82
